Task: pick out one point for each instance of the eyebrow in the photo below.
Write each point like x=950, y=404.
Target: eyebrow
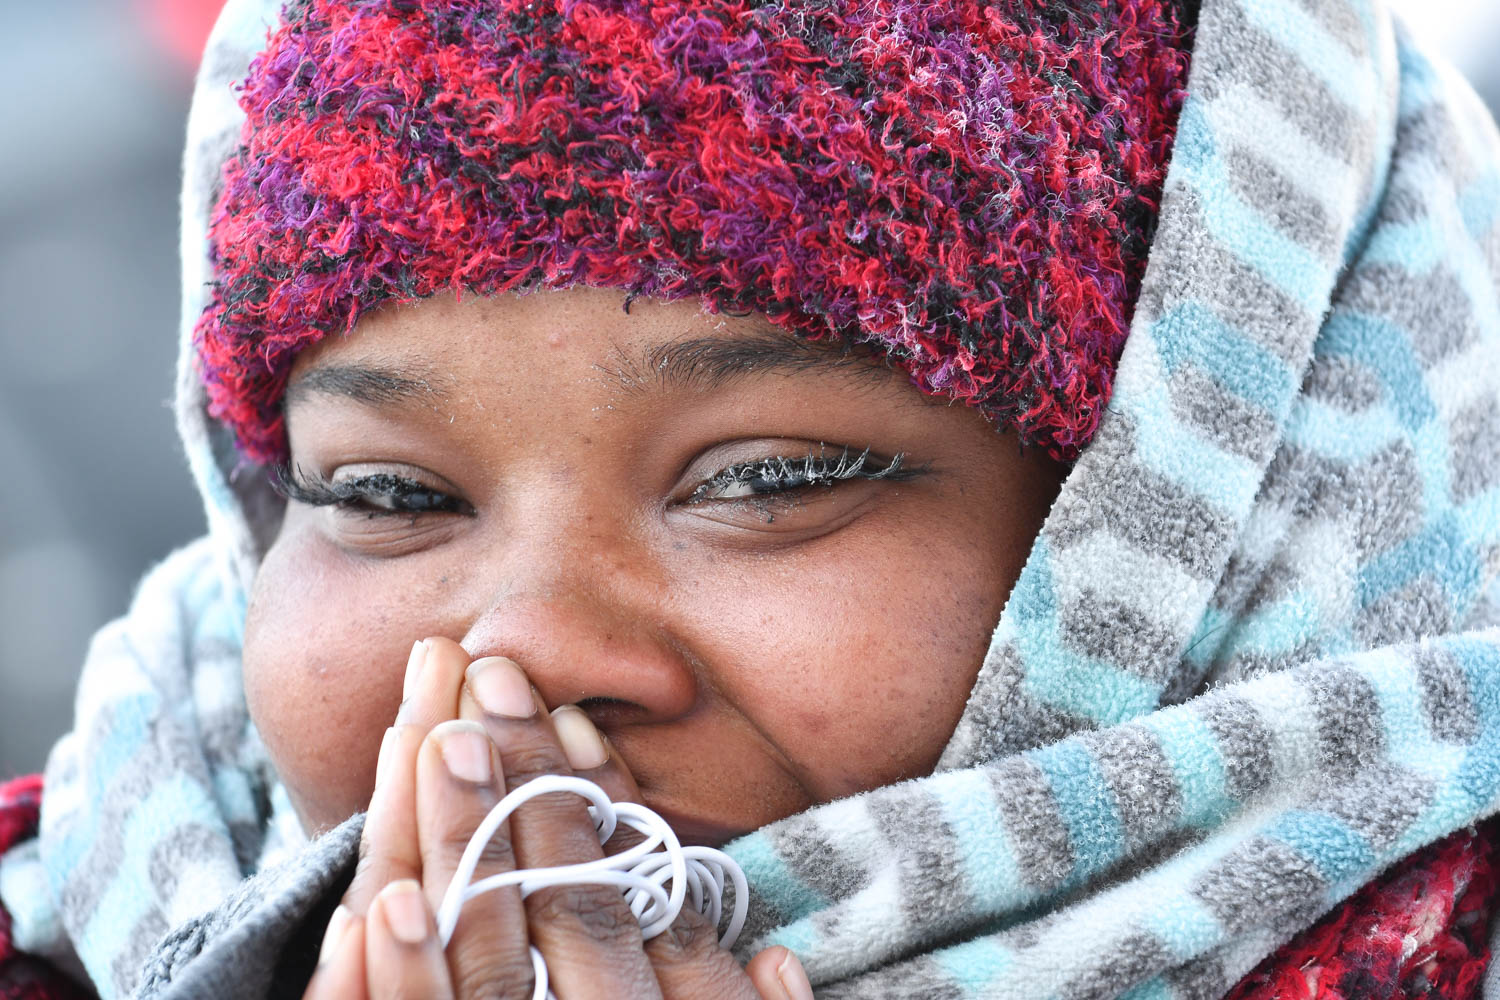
x=711, y=362
x=369, y=383
x=697, y=363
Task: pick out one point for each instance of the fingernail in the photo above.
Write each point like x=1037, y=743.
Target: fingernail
x=580, y=740
x=383, y=762
x=501, y=687
x=466, y=750
x=793, y=978
x=337, y=925
x=405, y=911
x=414, y=664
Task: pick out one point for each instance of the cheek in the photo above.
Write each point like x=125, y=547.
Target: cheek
x=324, y=658
x=863, y=660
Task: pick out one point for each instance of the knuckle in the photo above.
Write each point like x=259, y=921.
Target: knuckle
x=598, y=913
x=526, y=760
x=691, y=936
x=363, y=867
x=366, y=874
x=561, y=812
x=496, y=855
x=715, y=974
x=625, y=837
x=720, y=979
x=478, y=970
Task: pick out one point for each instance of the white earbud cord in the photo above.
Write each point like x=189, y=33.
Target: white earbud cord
x=641, y=872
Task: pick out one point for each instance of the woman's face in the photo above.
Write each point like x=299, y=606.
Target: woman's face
x=664, y=518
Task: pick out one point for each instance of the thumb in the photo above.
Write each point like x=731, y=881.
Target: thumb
x=778, y=975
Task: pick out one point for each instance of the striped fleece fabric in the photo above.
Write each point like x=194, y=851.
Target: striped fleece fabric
x=1250, y=662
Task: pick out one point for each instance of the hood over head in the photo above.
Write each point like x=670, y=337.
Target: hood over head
x=1249, y=661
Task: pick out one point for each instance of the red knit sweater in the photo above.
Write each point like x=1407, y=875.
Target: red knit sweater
x=1420, y=930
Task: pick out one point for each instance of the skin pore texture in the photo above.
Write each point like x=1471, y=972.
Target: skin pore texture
x=543, y=477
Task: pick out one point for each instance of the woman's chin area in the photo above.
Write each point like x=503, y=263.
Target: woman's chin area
x=767, y=570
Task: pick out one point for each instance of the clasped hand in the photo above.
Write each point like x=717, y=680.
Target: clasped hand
x=466, y=734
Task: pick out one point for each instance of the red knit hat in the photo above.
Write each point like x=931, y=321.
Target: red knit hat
x=968, y=185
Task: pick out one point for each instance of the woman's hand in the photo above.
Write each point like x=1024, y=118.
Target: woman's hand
x=467, y=734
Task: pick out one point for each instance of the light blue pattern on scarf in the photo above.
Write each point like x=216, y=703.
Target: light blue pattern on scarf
x=1245, y=667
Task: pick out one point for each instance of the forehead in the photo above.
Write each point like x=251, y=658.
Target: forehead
x=431, y=348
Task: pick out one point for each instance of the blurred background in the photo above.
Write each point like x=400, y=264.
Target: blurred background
x=96, y=489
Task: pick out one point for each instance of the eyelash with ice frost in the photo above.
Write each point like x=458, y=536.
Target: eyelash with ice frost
x=377, y=494
x=768, y=476
x=382, y=493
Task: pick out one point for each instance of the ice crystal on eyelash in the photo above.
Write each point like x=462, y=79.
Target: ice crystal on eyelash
x=812, y=470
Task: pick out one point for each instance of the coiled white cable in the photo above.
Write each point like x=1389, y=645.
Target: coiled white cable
x=641, y=872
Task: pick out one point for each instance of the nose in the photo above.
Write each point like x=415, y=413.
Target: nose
x=588, y=628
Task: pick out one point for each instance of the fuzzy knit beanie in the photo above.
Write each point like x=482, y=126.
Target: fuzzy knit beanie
x=967, y=187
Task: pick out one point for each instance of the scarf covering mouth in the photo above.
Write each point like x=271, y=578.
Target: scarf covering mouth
x=1250, y=662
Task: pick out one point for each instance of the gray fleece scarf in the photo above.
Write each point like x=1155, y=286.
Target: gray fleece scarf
x=1248, y=664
